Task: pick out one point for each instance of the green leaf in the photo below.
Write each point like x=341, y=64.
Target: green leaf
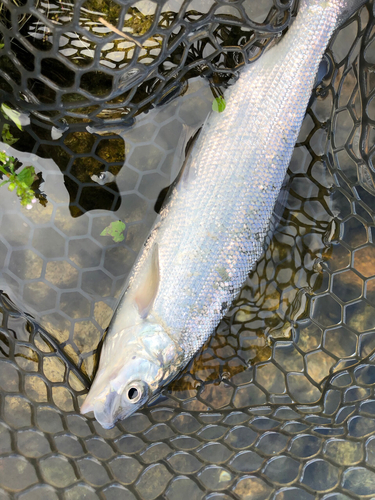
x=115, y=229
x=12, y=114
x=7, y=136
x=1, y=46
x=219, y=104
x=26, y=177
x=3, y=157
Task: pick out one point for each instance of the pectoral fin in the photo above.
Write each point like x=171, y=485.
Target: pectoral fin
x=148, y=288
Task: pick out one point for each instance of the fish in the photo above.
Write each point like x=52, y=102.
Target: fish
x=212, y=231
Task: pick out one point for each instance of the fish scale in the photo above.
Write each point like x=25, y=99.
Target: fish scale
x=212, y=232
x=230, y=170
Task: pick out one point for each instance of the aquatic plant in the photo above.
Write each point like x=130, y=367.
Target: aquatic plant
x=116, y=230
x=21, y=181
x=7, y=136
x=14, y=116
x=218, y=104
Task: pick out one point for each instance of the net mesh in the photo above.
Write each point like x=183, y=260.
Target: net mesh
x=280, y=402
x=66, y=62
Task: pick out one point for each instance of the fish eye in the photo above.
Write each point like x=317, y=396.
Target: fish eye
x=133, y=394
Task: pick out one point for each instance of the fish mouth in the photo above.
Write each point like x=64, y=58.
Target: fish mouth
x=107, y=421
x=106, y=409
x=106, y=424
x=110, y=408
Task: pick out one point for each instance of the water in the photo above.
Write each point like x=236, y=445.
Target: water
x=278, y=404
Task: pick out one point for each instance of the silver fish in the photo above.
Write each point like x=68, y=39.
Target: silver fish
x=211, y=233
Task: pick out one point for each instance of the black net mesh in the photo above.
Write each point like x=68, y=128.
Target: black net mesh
x=66, y=63
x=280, y=403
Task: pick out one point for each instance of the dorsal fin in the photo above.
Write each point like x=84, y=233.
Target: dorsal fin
x=147, y=289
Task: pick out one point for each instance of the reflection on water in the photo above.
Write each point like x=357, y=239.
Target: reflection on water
x=279, y=403
x=56, y=262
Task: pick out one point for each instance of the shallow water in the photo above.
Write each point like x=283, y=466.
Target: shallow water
x=279, y=403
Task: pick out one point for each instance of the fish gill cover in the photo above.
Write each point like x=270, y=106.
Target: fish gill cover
x=279, y=403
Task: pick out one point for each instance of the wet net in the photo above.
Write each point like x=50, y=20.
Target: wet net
x=66, y=61
x=280, y=403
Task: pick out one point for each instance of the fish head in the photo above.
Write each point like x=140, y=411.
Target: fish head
x=140, y=354
x=135, y=364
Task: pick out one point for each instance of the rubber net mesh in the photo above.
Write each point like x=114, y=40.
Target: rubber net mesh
x=280, y=403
